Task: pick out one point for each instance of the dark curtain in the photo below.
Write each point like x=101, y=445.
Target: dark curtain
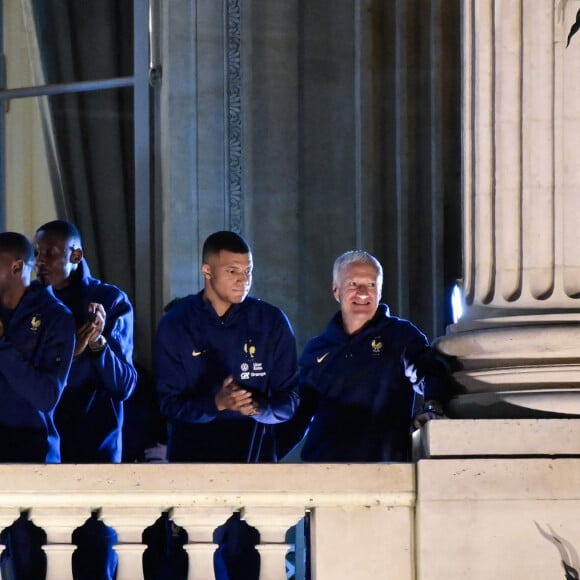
x=89, y=135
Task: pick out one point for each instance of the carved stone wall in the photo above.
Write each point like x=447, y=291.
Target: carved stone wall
x=314, y=127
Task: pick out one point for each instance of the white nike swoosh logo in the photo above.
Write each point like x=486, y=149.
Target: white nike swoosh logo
x=196, y=352
x=320, y=358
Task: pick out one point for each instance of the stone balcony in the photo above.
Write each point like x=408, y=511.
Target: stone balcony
x=486, y=499
x=361, y=516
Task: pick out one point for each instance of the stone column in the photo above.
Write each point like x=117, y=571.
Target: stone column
x=518, y=342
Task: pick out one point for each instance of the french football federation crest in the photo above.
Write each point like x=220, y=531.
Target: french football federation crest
x=250, y=349
x=377, y=346
x=35, y=323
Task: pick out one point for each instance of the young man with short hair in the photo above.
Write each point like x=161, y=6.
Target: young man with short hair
x=226, y=369
x=226, y=362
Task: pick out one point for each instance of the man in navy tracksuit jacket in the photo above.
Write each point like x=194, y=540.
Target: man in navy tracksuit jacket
x=197, y=350
x=89, y=416
x=36, y=348
x=359, y=378
x=226, y=371
x=226, y=365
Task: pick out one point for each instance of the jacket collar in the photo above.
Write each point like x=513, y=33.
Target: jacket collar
x=336, y=329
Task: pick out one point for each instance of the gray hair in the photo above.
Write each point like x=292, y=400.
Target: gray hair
x=357, y=257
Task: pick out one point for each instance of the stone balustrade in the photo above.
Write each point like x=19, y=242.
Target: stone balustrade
x=485, y=499
x=361, y=515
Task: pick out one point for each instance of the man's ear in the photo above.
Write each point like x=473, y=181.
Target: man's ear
x=76, y=256
x=17, y=266
x=206, y=271
x=335, y=293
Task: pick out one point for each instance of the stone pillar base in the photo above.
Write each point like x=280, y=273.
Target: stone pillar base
x=520, y=366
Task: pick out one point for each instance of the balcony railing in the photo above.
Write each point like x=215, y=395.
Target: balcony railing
x=361, y=516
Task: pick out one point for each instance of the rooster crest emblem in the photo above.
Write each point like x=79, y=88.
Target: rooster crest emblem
x=250, y=349
x=35, y=323
x=377, y=346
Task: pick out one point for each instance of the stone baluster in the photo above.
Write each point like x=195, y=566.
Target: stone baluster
x=272, y=523
x=59, y=561
x=129, y=523
x=130, y=561
x=519, y=342
x=200, y=523
x=59, y=524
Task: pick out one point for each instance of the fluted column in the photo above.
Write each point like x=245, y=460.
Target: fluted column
x=518, y=342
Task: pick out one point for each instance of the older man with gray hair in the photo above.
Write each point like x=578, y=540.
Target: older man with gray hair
x=358, y=379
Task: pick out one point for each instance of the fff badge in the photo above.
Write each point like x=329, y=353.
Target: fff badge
x=252, y=367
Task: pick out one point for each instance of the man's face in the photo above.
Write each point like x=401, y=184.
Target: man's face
x=55, y=259
x=357, y=290
x=228, y=277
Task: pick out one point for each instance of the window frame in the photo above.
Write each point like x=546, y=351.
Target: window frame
x=140, y=82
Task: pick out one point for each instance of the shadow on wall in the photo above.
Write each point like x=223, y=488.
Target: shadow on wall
x=568, y=554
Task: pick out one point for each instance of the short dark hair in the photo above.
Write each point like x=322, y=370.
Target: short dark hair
x=18, y=246
x=224, y=240
x=63, y=230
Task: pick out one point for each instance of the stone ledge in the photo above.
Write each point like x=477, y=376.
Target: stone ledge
x=237, y=485
x=497, y=438
x=498, y=479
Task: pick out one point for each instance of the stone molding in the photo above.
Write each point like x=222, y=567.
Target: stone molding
x=234, y=114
